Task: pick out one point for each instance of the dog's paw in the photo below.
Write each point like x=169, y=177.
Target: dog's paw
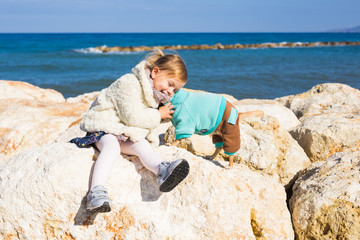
x=228, y=168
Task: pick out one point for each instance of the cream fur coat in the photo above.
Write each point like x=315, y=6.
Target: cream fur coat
x=127, y=107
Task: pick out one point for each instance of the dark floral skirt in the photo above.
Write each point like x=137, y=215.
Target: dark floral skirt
x=88, y=140
x=91, y=138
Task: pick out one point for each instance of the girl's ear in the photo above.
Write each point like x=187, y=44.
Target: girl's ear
x=154, y=72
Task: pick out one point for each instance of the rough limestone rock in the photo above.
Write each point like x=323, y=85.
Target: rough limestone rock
x=265, y=147
x=26, y=91
x=322, y=99
x=330, y=116
x=31, y=116
x=326, y=199
x=196, y=144
x=284, y=115
x=268, y=148
x=42, y=195
x=323, y=135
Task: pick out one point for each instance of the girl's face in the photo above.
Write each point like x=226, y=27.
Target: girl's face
x=165, y=84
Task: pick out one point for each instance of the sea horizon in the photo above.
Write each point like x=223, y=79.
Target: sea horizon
x=68, y=62
x=166, y=32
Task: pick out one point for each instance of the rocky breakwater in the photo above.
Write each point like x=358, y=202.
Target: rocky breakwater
x=43, y=185
x=225, y=46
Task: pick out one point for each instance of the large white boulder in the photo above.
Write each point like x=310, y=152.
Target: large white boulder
x=323, y=135
x=268, y=148
x=330, y=116
x=42, y=195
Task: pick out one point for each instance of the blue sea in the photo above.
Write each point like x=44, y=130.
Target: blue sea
x=68, y=62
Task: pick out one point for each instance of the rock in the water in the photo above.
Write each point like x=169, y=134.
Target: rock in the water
x=326, y=199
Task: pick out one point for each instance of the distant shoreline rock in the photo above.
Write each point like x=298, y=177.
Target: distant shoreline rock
x=346, y=30
x=105, y=49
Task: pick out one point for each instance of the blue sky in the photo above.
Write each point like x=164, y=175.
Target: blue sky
x=177, y=15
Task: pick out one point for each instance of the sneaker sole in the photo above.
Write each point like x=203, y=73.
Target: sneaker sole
x=105, y=207
x=178, y=174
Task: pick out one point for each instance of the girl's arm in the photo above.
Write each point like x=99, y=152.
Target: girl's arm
x=128, y=100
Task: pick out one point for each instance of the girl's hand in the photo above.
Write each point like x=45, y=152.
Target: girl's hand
x=166, y=111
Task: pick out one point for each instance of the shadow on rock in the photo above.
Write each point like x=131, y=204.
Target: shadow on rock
x=213, y=162
x=84, y=217
x=149, y=187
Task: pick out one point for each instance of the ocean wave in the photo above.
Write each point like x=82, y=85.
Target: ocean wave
x=99, y=50
x=92, y=50
x=88, y=50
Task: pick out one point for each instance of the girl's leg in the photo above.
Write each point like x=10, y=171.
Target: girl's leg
x=109, y=148
x=169, y=174
x=148, y=157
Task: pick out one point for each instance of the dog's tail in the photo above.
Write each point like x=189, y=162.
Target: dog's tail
x=257, y=113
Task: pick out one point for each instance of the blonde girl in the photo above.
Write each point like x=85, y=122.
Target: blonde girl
x=121, y=118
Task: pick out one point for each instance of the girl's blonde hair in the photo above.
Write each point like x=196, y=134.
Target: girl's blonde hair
x=171, y=63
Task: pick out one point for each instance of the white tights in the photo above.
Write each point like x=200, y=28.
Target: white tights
x=110, y=149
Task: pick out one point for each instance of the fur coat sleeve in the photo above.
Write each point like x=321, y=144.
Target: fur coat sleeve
x=131, y=106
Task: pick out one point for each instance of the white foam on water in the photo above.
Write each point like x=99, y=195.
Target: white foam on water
x=97, y=50
x=123, y=52
x=88, y=50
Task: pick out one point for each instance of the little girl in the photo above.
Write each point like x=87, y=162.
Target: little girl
x=122, y=116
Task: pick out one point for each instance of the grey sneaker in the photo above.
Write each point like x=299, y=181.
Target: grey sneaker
x=171, y=174
x=97, y=200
